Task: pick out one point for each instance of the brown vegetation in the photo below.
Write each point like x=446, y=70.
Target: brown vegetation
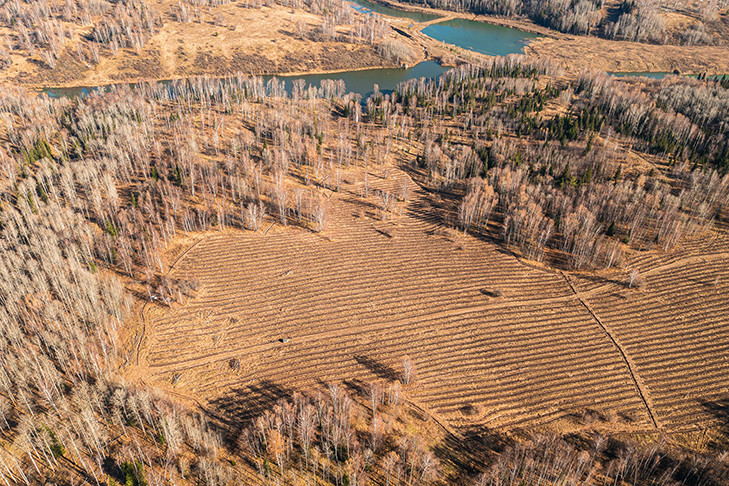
x=681, y=50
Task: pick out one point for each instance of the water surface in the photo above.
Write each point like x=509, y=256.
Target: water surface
x=365, y=6
x=640, y=74
x=482, y=37
x=360, y=82
x=661, y=75
x=489, y=39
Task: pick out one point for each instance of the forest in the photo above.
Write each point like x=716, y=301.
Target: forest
x=96, y=188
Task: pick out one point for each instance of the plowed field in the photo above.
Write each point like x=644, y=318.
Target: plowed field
x=495, y=341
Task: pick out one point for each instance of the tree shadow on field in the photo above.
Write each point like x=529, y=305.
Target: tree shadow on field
x=467, y=451
x=432, y=209
x=369, y=209
x=240, y=406
x=599, y=279
x=439, y=206
x=470, y=451
x=356, y=387
x=381, y=370
x=720, y=410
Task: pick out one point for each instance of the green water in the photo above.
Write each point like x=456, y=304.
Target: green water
x=479, y=36
x=365, y=6
x=360, y=82
x=489, y=39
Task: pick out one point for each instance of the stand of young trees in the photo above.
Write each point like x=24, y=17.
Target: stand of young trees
x=549, y=459
x=640, y=21
x=44, y=27
x=61, y=403
x=105, y=183
x=100, y=186
x=543, y=185
x=327, y=440
x=681, y=119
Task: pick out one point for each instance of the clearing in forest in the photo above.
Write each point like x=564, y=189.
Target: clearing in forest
x=495, y=341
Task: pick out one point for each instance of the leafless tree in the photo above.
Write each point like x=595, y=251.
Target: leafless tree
x=408, y=370
x=254, y=214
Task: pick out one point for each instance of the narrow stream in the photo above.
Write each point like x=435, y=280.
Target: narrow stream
x=489, y=39
x=661, y=75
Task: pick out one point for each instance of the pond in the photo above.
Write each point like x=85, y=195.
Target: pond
x=482, y=37
x=654, y=75
x=489, y=39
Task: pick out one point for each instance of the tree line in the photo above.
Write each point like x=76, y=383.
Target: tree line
x=544, y=185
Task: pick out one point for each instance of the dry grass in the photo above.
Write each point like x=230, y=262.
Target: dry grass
x=675, y=330
x=229, y=39
x=576, y=52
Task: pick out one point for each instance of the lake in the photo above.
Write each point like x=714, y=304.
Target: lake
x=489, y=39
x=481, y=37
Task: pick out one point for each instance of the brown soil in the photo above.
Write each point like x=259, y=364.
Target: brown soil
x=496, y=342
x=578, y=52
x=267, y=41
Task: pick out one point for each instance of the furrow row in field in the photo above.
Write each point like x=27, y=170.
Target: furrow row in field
x=422, y=316
x=677, y=335
x=552, y=324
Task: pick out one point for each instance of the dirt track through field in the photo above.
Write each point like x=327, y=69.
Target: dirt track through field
x=631, y=370
x=355, y=301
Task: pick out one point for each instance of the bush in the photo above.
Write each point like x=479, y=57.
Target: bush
x=395, y=50
x=133, y=473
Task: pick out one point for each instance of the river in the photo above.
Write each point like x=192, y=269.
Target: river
x=478, y=36
x=361, y=82
x=365, y=6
